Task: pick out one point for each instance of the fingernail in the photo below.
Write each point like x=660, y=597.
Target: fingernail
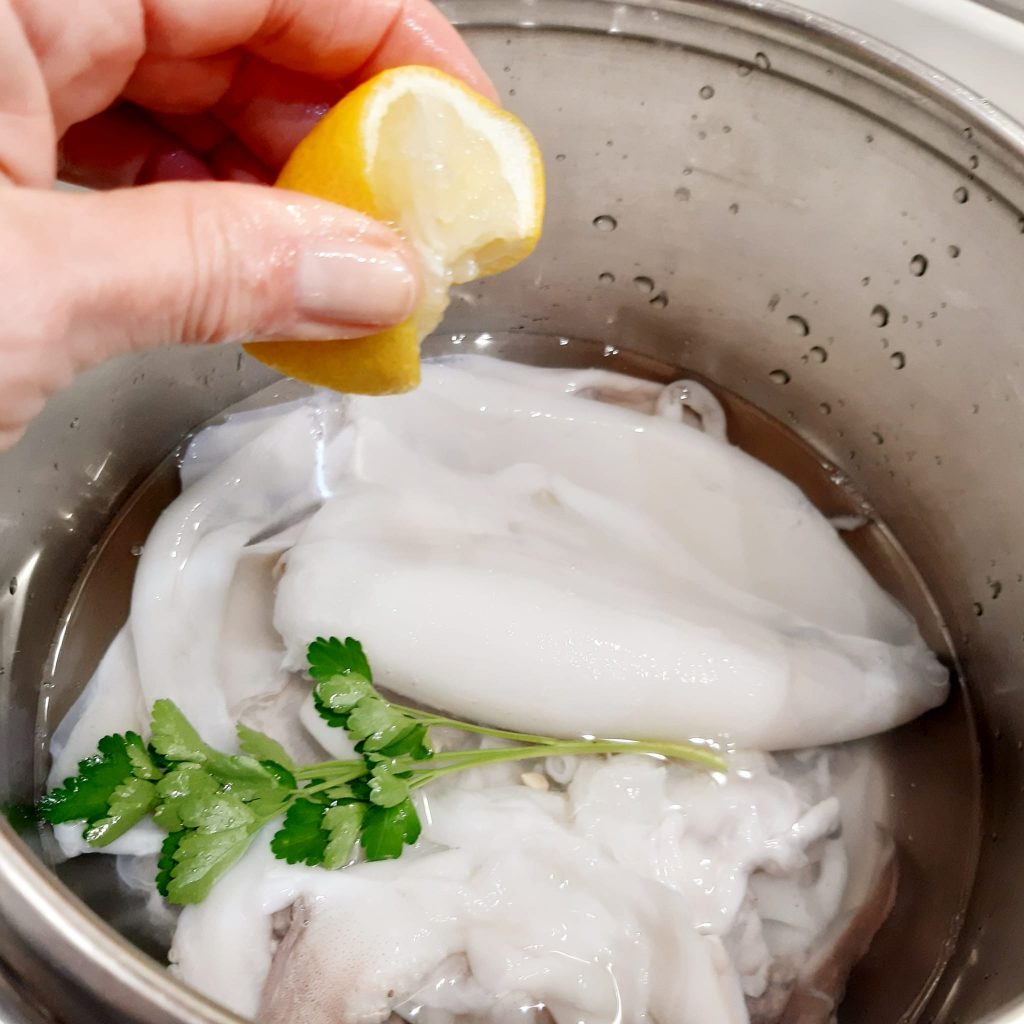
x=354, y=283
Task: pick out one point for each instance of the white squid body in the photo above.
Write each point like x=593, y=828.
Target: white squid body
x=516, y=554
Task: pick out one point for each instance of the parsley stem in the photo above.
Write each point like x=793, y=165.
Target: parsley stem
x=428, y=718
x=315, y=771
x=459, y=761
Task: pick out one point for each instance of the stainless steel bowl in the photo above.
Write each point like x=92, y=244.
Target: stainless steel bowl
x=816, y=223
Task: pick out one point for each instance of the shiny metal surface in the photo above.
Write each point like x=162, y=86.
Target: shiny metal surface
x=816, y=223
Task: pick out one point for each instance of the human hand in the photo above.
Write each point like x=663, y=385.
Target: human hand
x=199, y=102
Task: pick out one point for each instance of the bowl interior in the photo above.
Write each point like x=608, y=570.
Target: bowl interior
x=756, y=199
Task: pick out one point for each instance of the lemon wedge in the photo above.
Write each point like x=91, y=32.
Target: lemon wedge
x=457, y=176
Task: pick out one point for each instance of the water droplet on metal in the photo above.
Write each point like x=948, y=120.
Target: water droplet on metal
x=762, y=61
x=779, y=377
x=13, y=586
x=825, y=408
x=136, y=550
x=972, y=162
x=918, y=265
x=706, y=92
x=877, y=437
x=898, y=359
x=660, y=301
x=744, y=69
x=559, y=157
x=605, y=222
x=682, y=194
x=800, y=326
x=734, y=207
x=954, y=251
x=818, y=354
x=644, y=284
x=961, y=194
x=879, y=316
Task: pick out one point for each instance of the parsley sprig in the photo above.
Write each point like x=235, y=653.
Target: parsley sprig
x=212, y=804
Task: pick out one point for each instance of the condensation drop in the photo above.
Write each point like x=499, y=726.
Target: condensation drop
x=779, y=377
x=954, y=251
x=136, y=550
x=706, y=92
x=877, y=437
x=961, y=195
x=800, y=326
x=898, y=360
x=826, y=408
x=607, y=277
x=744, y=69
x=13, y=586
x=879, y=316
x=605, y=222
x=559, y=157
x=762, y=61
x=734, y=207
x=972, y=162
x=918, y=265
x=644, y=284
x=682, y=194
x=818, y=354
x=660, y=301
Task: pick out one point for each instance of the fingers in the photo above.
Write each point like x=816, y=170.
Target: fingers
x=422, y=35
x=27, y=137
x=123, y=147
x=215, y=262
x=329, y=39
x=271, y=109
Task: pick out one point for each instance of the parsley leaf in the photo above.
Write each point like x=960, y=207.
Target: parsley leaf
x=388, y=788
x=200, y=858
x=343, y=823
x=165, y=863
x=263, y=747
x=173, y=735
x=301, y=839
x=87, y=795
x=330, y=657
x=375, y=724
x=143, y=764
x=129, y=804
x=387, y=829
x=175, y=738
x=183, y=793
x=341, y=694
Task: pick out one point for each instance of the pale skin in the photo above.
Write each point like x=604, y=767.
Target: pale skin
x=182, y=111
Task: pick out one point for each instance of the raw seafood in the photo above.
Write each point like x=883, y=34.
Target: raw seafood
x=543, y=560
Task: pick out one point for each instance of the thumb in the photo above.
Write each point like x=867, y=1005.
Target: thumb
x=194, y=262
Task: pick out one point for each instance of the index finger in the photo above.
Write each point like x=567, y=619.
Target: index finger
x=329, y=39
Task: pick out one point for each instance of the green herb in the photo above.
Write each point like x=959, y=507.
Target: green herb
x=21, y=817
x=213, y=804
